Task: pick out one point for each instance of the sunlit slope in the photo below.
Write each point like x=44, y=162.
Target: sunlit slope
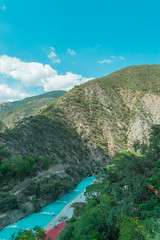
x=112, y=112
x=107, y=114
x=12, y=112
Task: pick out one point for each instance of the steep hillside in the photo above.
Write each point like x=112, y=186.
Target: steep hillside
x=78, y=133
x=41, y=160
x=12, y=112
x=112, y=112
x=2, y=127
x=125, y=203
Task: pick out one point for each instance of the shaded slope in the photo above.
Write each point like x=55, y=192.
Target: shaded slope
x=41, y=136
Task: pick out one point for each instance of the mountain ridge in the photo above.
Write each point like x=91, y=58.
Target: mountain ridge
x=12, y=112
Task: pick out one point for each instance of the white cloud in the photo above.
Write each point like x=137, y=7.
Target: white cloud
x=30, y=74
x=52, y=48
x=53, y=56
x=114, y=59
x=36, y=74
x=71, y=52
x=65, y=82
x=122, y=58
x=9, y=94
x=105, y=61
x=56, y=60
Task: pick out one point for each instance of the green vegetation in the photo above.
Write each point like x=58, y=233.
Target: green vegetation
x=103, y=110
x=22, y=171
x=19, y=168
x=125, y=203
x=48, y=143
x=76, y=135
x=36, y=234
x=143, y=78
x=11, y=113
x=7, y=201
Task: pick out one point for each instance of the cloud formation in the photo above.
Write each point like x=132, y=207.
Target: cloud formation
x=71, y=52
x=9, y=94
x=105, y=61
x=53, y=56
x=122, y=58
x=114, y=58
x=34, y=74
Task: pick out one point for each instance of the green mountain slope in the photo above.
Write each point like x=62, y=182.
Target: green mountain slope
x=112, y=112
x=12, y=112
x=2, y=127
x=81, y=130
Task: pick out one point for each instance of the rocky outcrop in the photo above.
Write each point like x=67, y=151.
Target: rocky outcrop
x=14, y=215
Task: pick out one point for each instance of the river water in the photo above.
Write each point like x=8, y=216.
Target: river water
x=47, y=213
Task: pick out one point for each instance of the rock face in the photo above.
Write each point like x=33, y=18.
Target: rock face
x=148, y=113
x=13, y=216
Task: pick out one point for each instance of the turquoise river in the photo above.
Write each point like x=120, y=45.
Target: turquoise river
x=47, y=213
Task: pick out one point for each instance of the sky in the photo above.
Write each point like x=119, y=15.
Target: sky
x=57, y=44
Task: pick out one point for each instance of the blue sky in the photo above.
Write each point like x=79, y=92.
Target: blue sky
x=56, y=44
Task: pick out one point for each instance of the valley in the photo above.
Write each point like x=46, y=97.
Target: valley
x=48, y=145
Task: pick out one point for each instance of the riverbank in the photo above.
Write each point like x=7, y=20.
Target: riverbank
x=67, y=212
x=57, y=210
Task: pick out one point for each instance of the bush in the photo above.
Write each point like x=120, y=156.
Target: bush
x=36, y=204
x=35, y=234
x=7, y=202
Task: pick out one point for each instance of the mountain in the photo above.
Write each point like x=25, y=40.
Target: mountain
x=78, y=134
x=112, y=112
x=12, y=112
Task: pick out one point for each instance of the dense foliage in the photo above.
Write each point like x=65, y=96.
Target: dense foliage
x=37, y=192
x=19, y=168
x=124, y=204
x=20, y=174
x=35, y=234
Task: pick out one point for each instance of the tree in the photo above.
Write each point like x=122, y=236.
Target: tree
x=132, y=229
x=36, y=234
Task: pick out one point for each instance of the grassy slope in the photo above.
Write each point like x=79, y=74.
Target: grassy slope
x=144, y=78
x=98, y=110
x=15, y=111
